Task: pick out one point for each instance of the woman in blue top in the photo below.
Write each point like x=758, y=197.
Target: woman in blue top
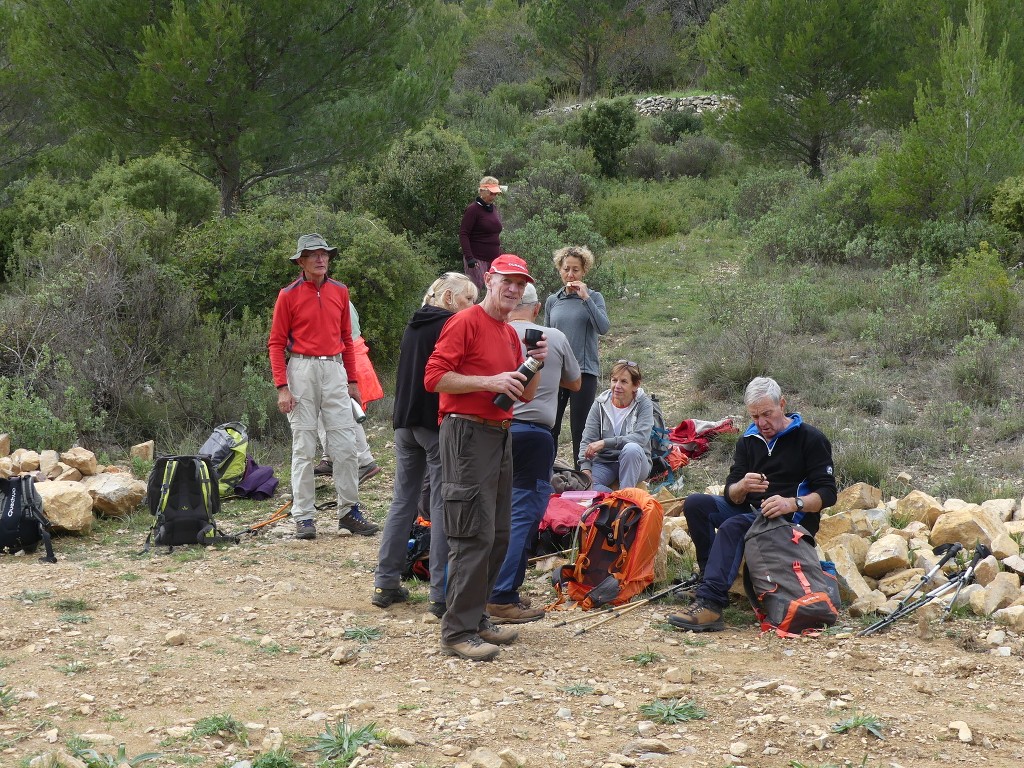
x=580, y=314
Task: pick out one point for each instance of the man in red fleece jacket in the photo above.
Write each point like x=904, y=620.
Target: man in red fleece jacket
x=476, y=357
x=312, y=359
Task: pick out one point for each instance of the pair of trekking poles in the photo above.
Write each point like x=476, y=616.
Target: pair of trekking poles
x=955, y=584
x=612, y=613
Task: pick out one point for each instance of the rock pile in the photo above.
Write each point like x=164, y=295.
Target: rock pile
x=882, y=549
x=656, y=105
x=74, y=486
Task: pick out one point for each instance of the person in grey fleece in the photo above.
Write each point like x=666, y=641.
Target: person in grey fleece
x=616, y=445
x=579, y=313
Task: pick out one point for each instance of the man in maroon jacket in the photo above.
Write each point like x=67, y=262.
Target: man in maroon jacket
x=312, y=359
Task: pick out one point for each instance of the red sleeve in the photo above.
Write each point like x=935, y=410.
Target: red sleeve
x=279, y=340
x=447, y=354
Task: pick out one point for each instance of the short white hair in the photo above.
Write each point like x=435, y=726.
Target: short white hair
x=760, y=388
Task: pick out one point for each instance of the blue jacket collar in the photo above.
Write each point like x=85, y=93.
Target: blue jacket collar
x=796, y=421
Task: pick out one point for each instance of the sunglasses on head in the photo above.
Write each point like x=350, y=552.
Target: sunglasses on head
x=628, y=364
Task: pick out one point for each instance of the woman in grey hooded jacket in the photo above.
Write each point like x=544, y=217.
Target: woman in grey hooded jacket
x=616, y=444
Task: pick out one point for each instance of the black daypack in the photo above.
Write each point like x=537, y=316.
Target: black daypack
x=183, y=496
x=790, y=592
x=22, y=522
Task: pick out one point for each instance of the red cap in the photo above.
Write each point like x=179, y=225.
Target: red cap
x=510, y=264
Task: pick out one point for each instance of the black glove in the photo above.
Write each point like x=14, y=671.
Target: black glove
x=471, y=263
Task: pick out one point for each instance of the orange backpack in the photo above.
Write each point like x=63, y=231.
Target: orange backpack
x=618, y=539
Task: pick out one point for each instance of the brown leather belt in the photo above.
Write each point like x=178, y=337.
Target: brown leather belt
x=503, y=424
x=336, y=358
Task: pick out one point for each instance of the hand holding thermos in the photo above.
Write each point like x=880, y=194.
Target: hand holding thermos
x=532, y=337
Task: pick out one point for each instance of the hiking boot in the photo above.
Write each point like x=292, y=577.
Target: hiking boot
x=437, y=609
x=370, y=470
x=513, y=613
x=701, y=616
x=325, y=467
x=356, y=523
x=497, y=635
x=383, y=597
x=305, y=529
x=472, y=648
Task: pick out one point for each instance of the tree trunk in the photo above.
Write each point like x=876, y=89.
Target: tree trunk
x=229, y=174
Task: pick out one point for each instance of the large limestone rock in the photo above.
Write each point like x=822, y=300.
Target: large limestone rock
x=114, y=494
x=857, y=496
x=852, y=585
x=1002, y=508
x=918, y=505
x=888, y=554
x=144, y=451
x=1012, y=617
x=856, y=546
x=1015, y=564
x=68, y=505
x=6, y=467
x=969, y=525
x=1003, y=546
x=48, y=460
x=900, y=581
x=681, y=542
x=855, y=521
x=873, y=602
x=81, y=459
x=26, y=460
x=1002, y=592
x=5, y=445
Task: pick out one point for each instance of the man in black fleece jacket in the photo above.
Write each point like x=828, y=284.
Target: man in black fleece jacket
x=782, y=467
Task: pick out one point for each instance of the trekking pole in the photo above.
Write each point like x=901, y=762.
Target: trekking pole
x=950, y=553
x=629, y=607
x=538, y=558
x=980, y=553
x=280, y=514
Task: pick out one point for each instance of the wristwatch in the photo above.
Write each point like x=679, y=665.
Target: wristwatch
x=799, y=504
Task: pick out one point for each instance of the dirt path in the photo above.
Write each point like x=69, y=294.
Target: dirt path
x=258, y=624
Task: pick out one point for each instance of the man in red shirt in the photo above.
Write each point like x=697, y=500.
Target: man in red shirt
x=312, y=327
x=476, y=357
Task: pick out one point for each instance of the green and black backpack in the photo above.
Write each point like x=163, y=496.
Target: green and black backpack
x=183, y=496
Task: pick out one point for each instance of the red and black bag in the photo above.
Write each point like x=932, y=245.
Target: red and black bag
x=784, y=580
x=618, y=541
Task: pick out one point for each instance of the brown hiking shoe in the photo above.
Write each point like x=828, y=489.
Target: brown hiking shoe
x=701, y=616
x=356, y=523
x=513, y=613
x=325, y=467
x=472, y=648
x=497, y=635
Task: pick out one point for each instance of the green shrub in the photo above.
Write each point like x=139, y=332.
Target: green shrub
x=669, y=127
x=545, y=186
x=636, y=212
x=608, y=127
x=979, y=360
x=693, y=156
x=525, y=97
x=864, y=460
x=29, y=420
x=902, y=322
x=762, y=190
x=1008, y=204
x=421, y=187
x=976, y=288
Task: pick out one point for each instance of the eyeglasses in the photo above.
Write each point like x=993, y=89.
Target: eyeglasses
x=629, y=363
